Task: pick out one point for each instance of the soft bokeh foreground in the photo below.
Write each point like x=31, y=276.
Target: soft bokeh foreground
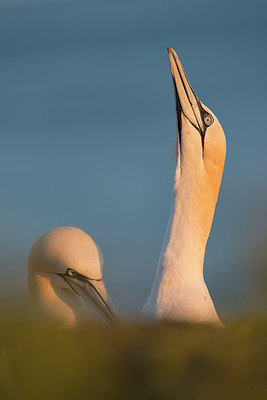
x=162, y=361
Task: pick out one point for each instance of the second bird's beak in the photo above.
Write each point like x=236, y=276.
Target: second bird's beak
x=94, y=293
x=187, y=102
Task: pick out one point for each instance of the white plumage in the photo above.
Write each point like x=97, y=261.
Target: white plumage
x=65, y=277
x=179, y=291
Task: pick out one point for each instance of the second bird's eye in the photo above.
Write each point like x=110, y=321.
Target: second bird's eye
x=71, y=272
x=208, y=120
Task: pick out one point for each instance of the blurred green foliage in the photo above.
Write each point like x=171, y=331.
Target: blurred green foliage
x=132, y=361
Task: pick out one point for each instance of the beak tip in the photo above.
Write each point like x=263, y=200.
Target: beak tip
x=169, y=49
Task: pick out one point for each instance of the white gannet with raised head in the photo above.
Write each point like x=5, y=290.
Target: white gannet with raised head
x=179, y=291
x=65, y=268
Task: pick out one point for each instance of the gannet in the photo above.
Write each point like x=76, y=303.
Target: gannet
x=179, y=291
x=65, y=268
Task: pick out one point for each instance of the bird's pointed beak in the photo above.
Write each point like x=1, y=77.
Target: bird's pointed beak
x=187, y=102
x=94, y=292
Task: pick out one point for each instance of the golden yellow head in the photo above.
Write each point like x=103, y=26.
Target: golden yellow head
x=200, y=149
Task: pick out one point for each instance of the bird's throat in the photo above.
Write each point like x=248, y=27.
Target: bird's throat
x=183, y=248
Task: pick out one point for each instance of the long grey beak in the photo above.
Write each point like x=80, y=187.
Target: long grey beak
x=187, y=102
x=94, y=293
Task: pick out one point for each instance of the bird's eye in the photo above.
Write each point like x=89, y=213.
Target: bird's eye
x=208, y=120
x=71, y=272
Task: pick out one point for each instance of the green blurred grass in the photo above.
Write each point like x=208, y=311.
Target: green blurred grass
x=131, y=361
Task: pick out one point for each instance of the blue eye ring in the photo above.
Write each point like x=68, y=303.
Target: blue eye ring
x=208, y=119
x=71, y=272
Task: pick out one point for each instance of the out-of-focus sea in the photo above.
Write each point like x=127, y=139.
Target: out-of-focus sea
x=87, y=123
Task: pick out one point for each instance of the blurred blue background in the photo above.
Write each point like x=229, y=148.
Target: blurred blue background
x=87, y=126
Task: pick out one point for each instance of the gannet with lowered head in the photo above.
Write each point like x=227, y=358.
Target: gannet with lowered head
x=64, y=267
x=179, y=291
